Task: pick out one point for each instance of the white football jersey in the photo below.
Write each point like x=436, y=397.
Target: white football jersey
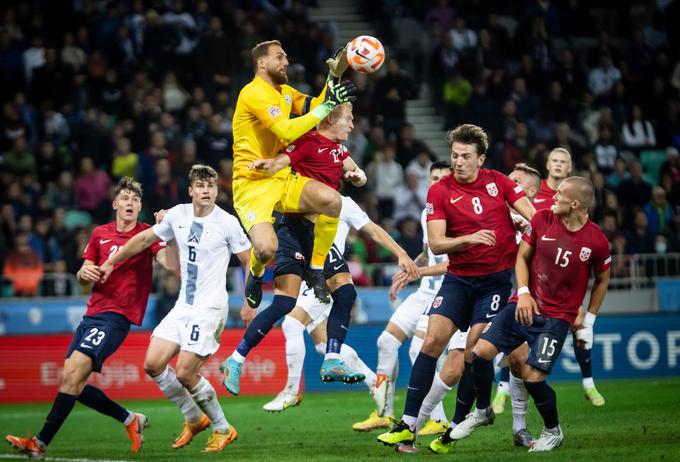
x=351, y=216
x=205, y=247
x=430, y=283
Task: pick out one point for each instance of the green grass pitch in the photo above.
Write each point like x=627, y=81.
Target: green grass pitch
x=638, y=423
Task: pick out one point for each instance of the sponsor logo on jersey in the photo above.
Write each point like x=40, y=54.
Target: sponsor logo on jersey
x=299, y=256
x=429, y=208
x=274, y=112
x=437, y=302
x=453, y=201
x=585, y=253
x=492, y=189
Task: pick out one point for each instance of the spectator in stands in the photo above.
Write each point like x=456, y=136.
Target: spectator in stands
x=91, y=188
x=408, y=146
x=48, y=165
x=606, y=152
x=639, y=239
x=168, y=190
x=420, y=166
x=20, y=160
x=23, y=268
x=464, y=38
x=442, y=13
x=514, y=149
x=125, y=162
x=411, y=238
x=444, y=61
x=526, y=103
x=456, y=93
x=45, y=243
x=635, y=191
x=385, y=176
x=58, y=283
x=391, y=93
x=638, y=132
x=601, y=79
x=570, y=74
x=659, y=212
x=618, y=175
x=409, y=198
x=62, y=194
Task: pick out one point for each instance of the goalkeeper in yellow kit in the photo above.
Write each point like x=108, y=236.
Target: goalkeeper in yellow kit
x=262, y=127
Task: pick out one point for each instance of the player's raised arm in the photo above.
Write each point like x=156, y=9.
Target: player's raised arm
x=136, y=244
x=380, y=236
x=524, y=207
x=352, y=173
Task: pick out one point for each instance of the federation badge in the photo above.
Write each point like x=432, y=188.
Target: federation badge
x=251, y=216
x=585, y=254
x=437, y=302
x=492, y=189
x=429, y=208
x=274, y=112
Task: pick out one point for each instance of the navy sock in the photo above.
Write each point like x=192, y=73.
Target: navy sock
x=546, y=402
x=465, y=395
x=61, y=408
x=264, y=321
x=482, y=375
x=583, y=357
x=504, y=375
x=96, y=399
x=339, y=317
x=419, y=384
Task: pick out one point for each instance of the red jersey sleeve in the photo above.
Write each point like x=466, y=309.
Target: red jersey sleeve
x=157, y=247
x=295, y=151
x=92, y=248
x=602, y=258
x=434, y=207
x=511, y=191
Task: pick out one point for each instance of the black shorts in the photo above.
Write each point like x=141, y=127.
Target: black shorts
x=296, y=240
x=470, y=300
x=545, y=337
x=99, y=336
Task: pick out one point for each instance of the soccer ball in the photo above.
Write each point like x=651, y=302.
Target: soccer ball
x=365, y=54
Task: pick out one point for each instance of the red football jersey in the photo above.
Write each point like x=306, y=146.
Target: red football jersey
x=561, y=264
x=127, y=289
x=315, y=156
x=544, y=199
x=468, y=208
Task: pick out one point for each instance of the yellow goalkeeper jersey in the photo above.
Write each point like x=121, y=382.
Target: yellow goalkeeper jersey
x=258, y=107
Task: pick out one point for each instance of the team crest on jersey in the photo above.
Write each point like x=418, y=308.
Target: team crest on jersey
x=274, y=112
x=287, y=98
x=585, y=254
x=437, y=302
x=492, y=189
x=192, y=239
x=251, y=216
x=429, y=208
x=299, y=256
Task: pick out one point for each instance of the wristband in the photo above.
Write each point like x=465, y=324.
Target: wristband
x=589, y=319
x=523, y=290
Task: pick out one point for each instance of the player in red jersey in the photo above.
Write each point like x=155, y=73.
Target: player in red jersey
x=468, y=218
x=320, y=156
x=552, y=271
x=112, y=308
x=559, y=166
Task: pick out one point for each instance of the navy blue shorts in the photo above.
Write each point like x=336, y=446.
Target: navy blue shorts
x=470, y=300
x=99, y=336
x=545, y=337
x=296, y=240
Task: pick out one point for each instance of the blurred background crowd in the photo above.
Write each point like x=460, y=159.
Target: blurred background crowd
x=92, y=90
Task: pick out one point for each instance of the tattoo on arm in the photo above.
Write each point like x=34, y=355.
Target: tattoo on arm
x=421, y=260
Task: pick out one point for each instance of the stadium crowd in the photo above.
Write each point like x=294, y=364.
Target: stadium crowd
x=95, y=90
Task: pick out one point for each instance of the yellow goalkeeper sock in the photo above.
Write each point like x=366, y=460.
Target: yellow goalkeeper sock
x=256, y=266
x=324, y=235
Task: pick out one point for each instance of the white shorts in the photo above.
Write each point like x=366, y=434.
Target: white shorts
x=196, y=330
x=458, y=341
x=315, y=309
x=408, y=314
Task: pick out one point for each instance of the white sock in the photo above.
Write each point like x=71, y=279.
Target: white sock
x=432, y=406
x=131, y=416
x=480, y=413
x=588, y=383
x=414, y=348
x=352, y=359
x=238, y=357
x=331, y=356
x=206, y=398
x=175, y=392
x=391, y=389
x=410, y=421
x=320, y=348
x=388, y=353
x=294, y=332
x=520, y=403
x=503, y=387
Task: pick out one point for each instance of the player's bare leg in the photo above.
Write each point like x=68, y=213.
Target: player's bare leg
x=264, y=241
x=316, y=197
x=203, y=393
x=158, y=355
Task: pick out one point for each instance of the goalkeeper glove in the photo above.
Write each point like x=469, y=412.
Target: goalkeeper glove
x=338, y=64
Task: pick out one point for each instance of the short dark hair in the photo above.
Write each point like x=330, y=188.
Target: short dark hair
x=262, y=49
x=440, y=165
x=201, y=172
x=469, y=134
x=130, y=184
